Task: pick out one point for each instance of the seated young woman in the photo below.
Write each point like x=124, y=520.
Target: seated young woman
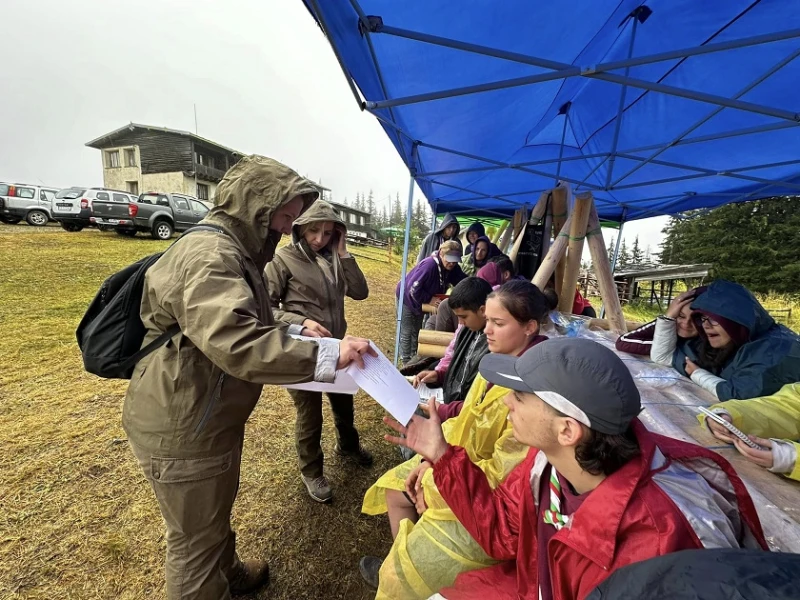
x=668, y=339
x=430, y=546
x=743, y=353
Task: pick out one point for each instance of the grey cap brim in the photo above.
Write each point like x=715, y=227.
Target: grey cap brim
x=452, y=258
x=500, y=369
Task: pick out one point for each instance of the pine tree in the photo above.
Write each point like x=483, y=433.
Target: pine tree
x=610, y=249
x=398, y=216
x=754, y=243
x=371, y=204
x=624, y=258
x=384, y=218
x=345, y=201
x=637, y=257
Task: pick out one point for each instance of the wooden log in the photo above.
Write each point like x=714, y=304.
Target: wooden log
x=537, y=213
x=602, y=268
x=606, y=326
x=429, y=309
x=577, y=234
x=555, y=254
x=435, y=338
x=500, y=231
x=506, y=239
x=431, y=350
x=558, y=205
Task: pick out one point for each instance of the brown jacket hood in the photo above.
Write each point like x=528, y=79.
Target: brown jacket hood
x=247, y=197
x=320, y=211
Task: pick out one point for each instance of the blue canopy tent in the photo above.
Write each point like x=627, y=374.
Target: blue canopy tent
x=656, y=107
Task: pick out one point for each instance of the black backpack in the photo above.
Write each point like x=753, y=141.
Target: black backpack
x=111, y=333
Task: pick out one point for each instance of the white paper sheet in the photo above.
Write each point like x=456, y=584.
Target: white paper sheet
x=381, y=380
x=343, y=384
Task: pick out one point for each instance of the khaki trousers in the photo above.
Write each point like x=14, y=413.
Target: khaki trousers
x=196, y=498
x=308, y=428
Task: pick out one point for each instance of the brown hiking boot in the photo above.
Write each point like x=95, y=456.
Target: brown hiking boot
x=318, y=488
x=248, y=576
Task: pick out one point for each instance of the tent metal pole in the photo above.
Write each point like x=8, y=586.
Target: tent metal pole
x=713, y=113
x=620, y=111
x=565, y=108
x=709, y=174
x=409, y=211
x=378, y=71
x=482, y=211
x=564, y=70
x=614, y=259
x=532, y=163
x=433, y=219
x=500, y=163
x=571, y=70
x=462, y=189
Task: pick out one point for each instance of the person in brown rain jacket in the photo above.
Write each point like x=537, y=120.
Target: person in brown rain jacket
x=308, y=281
x=187, y=402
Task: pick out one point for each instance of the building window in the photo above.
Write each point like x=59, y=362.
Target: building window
x=361, y=219
x=133, y=187
x=202, y=191
x=130, y=157
x=112, y=159
x=351, y=218
x=205, y=160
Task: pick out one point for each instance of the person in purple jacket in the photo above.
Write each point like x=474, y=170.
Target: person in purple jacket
x=433, y=275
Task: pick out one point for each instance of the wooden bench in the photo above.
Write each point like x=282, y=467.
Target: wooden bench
x=433, y=343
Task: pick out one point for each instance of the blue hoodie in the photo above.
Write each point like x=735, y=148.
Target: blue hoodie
x=768, y=361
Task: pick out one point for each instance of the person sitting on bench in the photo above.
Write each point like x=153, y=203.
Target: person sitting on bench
x=468, y=302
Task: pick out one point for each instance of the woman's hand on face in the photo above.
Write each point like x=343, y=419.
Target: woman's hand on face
x=678, y=303
x=341, y=248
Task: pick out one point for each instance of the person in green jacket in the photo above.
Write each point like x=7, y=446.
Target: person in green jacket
x=188, y=402
x=772, y=422
x=308, y=282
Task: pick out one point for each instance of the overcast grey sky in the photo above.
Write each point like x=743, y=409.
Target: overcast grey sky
x=261, y=73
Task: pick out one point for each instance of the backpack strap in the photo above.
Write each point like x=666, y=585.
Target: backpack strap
x=175, y=328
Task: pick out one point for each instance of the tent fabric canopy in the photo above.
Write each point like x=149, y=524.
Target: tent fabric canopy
x=656, y=107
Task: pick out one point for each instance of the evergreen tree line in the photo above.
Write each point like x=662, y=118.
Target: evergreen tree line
x=392, y=214
x=756, y=244
x=630, y=258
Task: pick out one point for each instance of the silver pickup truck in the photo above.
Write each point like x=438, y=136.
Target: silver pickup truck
x=159, y=214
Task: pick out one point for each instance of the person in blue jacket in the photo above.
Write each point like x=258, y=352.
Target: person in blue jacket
x=743, y=353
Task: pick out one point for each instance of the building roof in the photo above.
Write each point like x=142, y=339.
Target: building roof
x=665, y=272
x=108, y=137
x=350, y=208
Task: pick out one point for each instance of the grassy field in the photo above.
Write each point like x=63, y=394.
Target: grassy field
x=77, y=519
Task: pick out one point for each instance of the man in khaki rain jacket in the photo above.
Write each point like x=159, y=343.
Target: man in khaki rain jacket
x=187, y=402
x=308, y=281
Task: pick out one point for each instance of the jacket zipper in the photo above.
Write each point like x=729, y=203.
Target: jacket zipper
x=211, y=403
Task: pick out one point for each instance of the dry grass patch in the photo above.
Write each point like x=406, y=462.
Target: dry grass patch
x=77, y=519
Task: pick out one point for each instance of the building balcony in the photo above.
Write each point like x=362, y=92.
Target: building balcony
x=208, y=173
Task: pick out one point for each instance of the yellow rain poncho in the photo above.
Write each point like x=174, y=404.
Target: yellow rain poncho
x=428, y=555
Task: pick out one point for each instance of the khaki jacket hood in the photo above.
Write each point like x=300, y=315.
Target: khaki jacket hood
x=320, y=211
x=247, y=197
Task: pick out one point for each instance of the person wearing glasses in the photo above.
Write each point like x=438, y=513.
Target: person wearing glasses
x=741, y=352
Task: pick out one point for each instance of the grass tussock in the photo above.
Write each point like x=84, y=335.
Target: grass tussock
x=77, y=520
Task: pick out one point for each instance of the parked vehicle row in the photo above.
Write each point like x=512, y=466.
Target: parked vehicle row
x=159, y=214
x=30, y=202
x=74, y=208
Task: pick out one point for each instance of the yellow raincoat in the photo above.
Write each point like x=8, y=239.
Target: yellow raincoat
x=428, y=555
x=776, y=416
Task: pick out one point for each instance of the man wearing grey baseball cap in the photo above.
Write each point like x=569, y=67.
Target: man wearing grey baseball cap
x=597, y=490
